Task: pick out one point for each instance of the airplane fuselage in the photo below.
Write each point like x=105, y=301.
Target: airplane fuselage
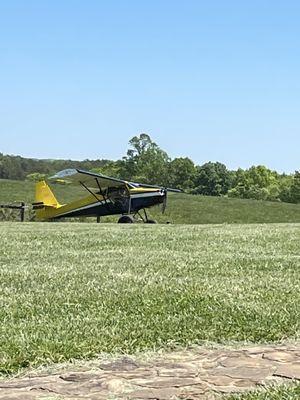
x=98, y=205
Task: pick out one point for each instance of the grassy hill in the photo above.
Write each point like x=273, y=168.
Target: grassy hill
x=182, y=208
x=191, y=209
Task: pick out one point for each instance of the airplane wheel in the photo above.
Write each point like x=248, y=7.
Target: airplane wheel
x=125, y=219
x=151, y=221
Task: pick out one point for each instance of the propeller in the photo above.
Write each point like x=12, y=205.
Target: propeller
x=164, y=205
x=165, y=190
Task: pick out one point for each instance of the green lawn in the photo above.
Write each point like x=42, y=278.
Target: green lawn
x=191, y=209
x=182, y=208
x=276, y=393
x=70, y=290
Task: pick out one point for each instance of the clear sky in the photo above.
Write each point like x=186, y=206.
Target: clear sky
x=211, y=80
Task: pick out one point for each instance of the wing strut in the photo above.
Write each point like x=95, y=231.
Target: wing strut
x=93, y=194
x=102, y=194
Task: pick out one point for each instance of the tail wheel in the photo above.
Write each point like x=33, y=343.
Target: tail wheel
x=125, y=219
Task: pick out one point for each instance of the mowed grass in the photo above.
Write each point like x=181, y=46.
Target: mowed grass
x=196, y=209
x=70, y=290
x=274, y=393
x=182, y=208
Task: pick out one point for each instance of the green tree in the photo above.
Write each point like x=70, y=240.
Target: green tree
x=145, y=161
x=111, y=168
x=212, y=179
x=36, y=177
x=257, y=182
x=285, y=182
x=295, y=188
x=16, y=167
x=181, y=173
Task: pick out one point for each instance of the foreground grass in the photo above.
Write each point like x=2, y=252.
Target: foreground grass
x=182, y=208
x=276, y=393
x=72, y=290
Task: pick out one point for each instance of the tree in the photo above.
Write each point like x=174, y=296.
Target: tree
x=212, y=179
x=36, y=177
x=285, y=182
x=257, y=182
x=111, y=168
x=181, y=173
x=16, y=167
x=295, y=188
x=145, y=161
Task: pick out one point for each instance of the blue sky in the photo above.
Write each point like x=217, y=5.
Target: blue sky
x=215, y=80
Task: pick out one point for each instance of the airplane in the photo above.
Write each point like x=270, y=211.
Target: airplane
x=106, y=196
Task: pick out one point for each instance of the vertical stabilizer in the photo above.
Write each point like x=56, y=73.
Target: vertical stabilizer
x=44, y=195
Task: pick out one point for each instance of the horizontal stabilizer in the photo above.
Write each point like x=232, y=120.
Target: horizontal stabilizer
x=38, y=205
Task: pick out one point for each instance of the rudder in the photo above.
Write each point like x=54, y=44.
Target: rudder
x=44, y=195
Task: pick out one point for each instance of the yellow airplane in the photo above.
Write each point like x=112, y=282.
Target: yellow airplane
x=106, y=196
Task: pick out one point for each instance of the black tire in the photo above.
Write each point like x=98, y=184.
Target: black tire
x=125, y=219
x=151, y=221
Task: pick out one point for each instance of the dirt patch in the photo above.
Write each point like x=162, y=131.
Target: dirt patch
x=197, y=373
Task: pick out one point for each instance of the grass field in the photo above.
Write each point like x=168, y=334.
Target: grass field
x=279, y=393
x=182, y=208
x=74, y=290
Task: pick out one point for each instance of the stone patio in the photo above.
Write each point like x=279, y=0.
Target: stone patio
x=198, y=373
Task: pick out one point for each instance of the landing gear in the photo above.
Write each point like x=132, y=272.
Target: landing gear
x=136, y=217
x=145, y=218
x=125, y=219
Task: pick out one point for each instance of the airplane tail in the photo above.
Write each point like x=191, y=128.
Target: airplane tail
x=44, y=196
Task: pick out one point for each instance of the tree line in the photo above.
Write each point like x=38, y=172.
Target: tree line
x=146, y=162
x=20, y=168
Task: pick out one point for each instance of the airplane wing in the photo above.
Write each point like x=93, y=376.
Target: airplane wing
x=96, y=181
x=88, y=179
x=135, y=184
